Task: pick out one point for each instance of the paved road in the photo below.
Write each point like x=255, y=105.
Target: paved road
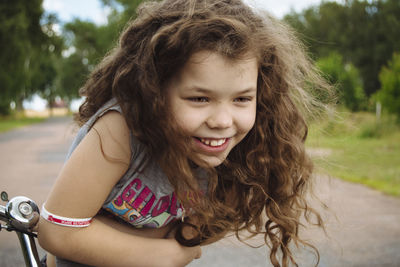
x=363, y=225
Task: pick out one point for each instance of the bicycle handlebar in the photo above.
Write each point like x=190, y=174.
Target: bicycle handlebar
x=21, y=215
x=2, y=212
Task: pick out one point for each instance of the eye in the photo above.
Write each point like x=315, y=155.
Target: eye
x=243, y=99
x=200, y=99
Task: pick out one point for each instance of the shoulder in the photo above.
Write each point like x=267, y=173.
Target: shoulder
x=115, y=120
x=114, y=135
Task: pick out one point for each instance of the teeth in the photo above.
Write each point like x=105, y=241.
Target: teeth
x=213, y=142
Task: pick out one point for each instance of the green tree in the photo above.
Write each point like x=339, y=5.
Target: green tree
x=389, y=93
x=122, y=11
x=72, y=75
x=347, y=80
x=88, y=43
x=26, y=50
x=47, y=59
x=364, y=32
x=20, y=34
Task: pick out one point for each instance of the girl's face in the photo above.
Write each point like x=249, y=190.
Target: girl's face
x=213, y=99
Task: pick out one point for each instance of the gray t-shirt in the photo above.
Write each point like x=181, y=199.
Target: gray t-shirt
x=142, y=198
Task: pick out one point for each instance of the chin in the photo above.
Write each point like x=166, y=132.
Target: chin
x=212, y=161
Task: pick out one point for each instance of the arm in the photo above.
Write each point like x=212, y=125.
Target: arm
x=128, y=229
x=87, y=178
x=102, y=245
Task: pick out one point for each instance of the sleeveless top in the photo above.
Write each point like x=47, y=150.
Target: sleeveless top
x=142, y=198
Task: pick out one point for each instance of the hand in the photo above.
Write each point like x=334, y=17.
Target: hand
x=193, y=252
x=185, y=254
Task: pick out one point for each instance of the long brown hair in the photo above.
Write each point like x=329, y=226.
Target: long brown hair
x=261, y=186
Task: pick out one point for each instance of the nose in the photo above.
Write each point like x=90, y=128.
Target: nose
x=220, y=118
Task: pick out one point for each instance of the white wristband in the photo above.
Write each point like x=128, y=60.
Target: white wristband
x=64, y=221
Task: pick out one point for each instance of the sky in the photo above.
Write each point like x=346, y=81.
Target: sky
x=93, y=10
x=67, y=10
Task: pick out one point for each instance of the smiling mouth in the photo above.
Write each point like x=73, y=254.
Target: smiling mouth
x=212, y=142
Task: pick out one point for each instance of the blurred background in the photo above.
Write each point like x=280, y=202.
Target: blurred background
x=48, y=48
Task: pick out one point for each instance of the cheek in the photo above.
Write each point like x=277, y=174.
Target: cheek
x=246, y=121
x=186, y=119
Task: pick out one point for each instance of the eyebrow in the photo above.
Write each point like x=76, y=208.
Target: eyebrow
x=208, y=91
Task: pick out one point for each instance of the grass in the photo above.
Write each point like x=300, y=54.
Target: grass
x=12, y=122
x=359, y=149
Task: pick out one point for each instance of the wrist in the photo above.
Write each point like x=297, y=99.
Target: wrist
x=179, y=255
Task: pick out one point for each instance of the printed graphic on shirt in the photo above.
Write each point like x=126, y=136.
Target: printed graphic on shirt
x=139, y=206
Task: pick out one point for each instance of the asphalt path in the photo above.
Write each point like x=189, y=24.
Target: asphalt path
x=363, y=225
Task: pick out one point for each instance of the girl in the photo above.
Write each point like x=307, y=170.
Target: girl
x=192, y=127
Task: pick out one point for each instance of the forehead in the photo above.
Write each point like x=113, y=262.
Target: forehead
x=207, y=57
x=211, y=67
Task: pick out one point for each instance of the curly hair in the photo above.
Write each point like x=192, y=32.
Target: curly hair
x=261, y=186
